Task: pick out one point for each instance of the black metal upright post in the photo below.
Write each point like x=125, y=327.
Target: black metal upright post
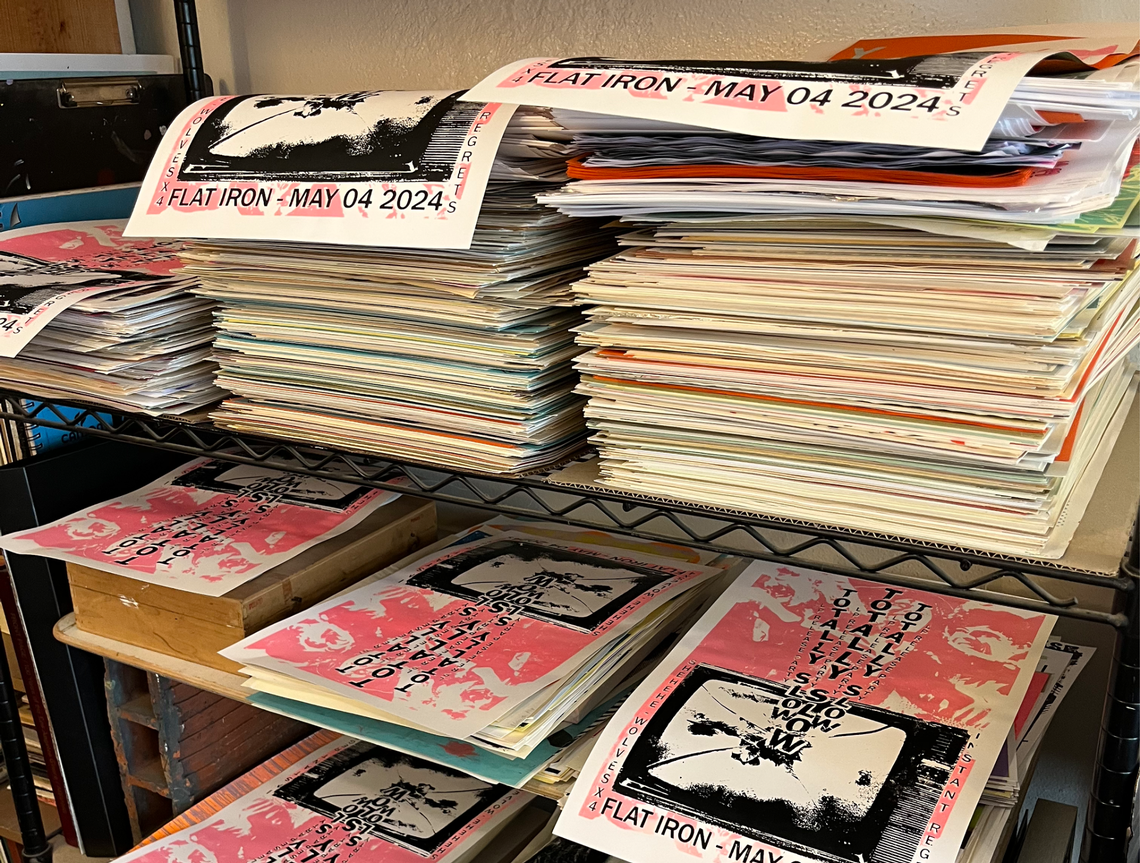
x=190, y=47
x=35, y=847
x=1109, y=824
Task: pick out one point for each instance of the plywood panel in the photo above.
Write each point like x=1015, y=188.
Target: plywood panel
x=59, y=26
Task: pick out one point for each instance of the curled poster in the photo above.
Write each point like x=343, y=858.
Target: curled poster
x=206, y=527
x=349, y=801
x=940, y=100
x=371, y=168
x=47, y=269
x=810, y=718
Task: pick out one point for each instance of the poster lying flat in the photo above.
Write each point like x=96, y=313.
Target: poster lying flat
x=206, y=527
x=810, y=718
x=942, y=100
x=349, y=801
x=49, y=268
x=1094, y=44
x=372, y=168
x=459, y=638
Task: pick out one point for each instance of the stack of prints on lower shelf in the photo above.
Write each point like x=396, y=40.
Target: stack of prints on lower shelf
x=87, y=314
x=499, y=651
x=812, y=716
x=898, y=339
x=336, y=799
x=1057, y=669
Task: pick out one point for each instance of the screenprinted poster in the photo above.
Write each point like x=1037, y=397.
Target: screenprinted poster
x=458, y=639
x=206, y=527
x=940, y=100
x=810, y=718
x=49, y=268
x=371, y=168
x=349, y=801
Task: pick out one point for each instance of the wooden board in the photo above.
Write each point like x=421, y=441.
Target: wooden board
x=196, y=627
x=211, y=679
x=59, y=26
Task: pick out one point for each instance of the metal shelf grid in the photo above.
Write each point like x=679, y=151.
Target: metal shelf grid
x=939, y=568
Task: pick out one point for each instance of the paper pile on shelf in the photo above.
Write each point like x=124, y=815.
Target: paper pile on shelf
x=500, y=651
x=89, y=315
x=394, y=287
x=461, y=358
x=814, y=715
x=908, y=340
x=344, y=800
x=207, y=527
x=1058, y=668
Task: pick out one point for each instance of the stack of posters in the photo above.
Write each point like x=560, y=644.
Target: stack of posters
x=500, y=651
x=86, y=314
x=1058, y=667
x=206, y=527
x=883, y=319
x=387, y=282
x=812, y=716
x=346, y=800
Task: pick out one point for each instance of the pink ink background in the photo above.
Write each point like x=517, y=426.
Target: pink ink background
x=214, y=567
x=516, y=660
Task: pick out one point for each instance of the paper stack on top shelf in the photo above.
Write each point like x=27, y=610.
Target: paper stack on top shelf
x=909, y=340
x=87, y=314
x=500, y=651
x=437, y=343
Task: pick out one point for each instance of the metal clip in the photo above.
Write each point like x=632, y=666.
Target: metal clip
x=99, y=91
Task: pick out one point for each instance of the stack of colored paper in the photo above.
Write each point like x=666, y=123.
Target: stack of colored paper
x=477, y=651
x=866, y=335
x=89, y=315
x=459, y=357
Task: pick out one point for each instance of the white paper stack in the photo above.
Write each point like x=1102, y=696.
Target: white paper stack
x=869, y=336
x=86, y=314
x=460, y=357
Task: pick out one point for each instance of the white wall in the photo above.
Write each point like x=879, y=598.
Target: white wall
x=307, y=46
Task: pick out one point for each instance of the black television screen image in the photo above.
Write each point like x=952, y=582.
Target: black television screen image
x=399, y=798
x=368, y=136
x=859, y=787
x=293, y=488
x=546, y=582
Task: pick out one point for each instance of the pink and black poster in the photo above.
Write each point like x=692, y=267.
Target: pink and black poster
x=810, y=718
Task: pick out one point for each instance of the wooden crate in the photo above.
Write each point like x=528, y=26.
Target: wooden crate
x=195, y=627
x=177, y=744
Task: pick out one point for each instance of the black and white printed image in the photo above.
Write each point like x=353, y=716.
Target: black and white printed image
x=547, y=582
x=399, y=798
x=373, y=135
x=936, y=71
x=27, y=283
x=844, y=782
x=284, y=486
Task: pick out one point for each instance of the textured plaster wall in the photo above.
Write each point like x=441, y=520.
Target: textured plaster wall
x=308, y=46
